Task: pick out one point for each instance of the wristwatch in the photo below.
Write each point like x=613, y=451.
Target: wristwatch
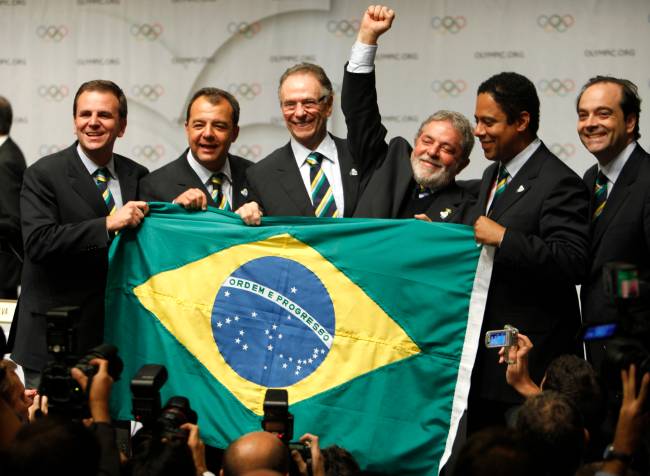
x=610, y=454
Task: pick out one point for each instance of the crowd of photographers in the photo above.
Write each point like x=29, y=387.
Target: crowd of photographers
x=572, y=422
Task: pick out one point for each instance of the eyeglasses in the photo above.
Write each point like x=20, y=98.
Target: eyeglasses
x=307, y=104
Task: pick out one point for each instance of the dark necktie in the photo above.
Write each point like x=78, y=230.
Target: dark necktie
x=101, y=177
x=600, y=195
x=217, y=193
x=321, y=192
x=502, y=181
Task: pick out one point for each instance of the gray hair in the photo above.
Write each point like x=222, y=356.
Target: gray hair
x=462, y=126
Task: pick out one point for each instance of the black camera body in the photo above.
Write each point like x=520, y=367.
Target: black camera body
x=65, y=396
x=162, y=423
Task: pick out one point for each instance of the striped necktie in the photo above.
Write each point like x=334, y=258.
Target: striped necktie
x=502, y=181
x=600, y=195
x=321, y=192
x=217, y=193
x=101, y=177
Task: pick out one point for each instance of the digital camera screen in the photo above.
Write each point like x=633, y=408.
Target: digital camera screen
x=498, y=339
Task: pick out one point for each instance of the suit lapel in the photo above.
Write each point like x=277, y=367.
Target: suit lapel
x=349, y=177
x=484, y=191
x=521, y=183
x=83, y=184
x=619, y=194
x=239, y=191
x=128, y=180
x=590, y=181
x=289, y=178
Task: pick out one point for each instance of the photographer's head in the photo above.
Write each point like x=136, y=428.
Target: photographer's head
x=12, y=390
x=255, y=451
x=550, y=424
x=53, y=446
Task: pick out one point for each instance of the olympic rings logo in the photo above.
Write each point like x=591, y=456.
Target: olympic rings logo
x=555, y=22
x=249, y=151
x=243, y=28
x=151, y=153
x=52, y=32
x=448, y=24
x=151, y=92
x=563, y=151
x=53, y=92
x=147, y=31
x=245, y=90
x=449, y=87
x=343, y=27
x=557, y=87
x=49, y=149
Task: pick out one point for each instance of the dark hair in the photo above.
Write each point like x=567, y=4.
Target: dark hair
x=339, y=462
x=630, y=99
x=53, y=446
x=553, y=428
x=577, y=380
x=515, y=94
x=495, y=452
x=214, y=96
x=308, y=68
x=6, y=116
x=104, y=86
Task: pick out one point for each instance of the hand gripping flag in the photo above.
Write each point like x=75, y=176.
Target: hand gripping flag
x=364, y=322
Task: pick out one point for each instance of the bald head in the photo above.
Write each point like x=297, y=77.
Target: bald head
x=259, y=450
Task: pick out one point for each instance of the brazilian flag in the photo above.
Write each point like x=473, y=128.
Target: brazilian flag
x=370, y=325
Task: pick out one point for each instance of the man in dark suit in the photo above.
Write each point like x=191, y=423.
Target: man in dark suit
x=401, y=181
x=205, y=174
x=12, y=167
x=72, y=203
x=532, y=213
x=608, y=126
x=283, y=182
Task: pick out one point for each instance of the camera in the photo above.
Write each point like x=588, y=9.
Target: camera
x=279, y=421
x=65, y=396
x=506, y=337
x=162, y=423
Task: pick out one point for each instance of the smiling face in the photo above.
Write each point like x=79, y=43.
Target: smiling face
x=500, y=140
x=97, y=124
x=210, y=131
x=437, y=156
x=602, y=126
x=305, y=107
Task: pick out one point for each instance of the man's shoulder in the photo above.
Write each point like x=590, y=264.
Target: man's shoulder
x=131, y=164
x=54, y=162
x=169, y=170
x=239, y=162
x=271, y=161
x=552, y=164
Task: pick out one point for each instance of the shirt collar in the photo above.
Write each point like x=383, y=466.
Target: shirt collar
x=518, y=161
x=92, y=167
x=327, y=148
x=203, y=172
x=613, y=169
x=3, y=139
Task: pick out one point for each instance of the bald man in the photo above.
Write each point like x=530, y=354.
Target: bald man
x=255, y=451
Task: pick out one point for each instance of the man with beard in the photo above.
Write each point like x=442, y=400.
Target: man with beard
x=401, y=181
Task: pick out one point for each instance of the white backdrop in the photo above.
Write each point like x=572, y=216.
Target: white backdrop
x=436, y=55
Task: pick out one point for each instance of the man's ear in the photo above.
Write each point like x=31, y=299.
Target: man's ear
x=523, y=121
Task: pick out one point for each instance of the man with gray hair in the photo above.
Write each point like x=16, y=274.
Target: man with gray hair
x=401, y=181
x=314, y=174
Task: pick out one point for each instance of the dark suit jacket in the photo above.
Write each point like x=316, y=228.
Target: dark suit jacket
x=276, y=185
x=621, y=233
x=12, y=167
x=169, y=181
x=544, y=254
x=66, y=248
x=387, y=174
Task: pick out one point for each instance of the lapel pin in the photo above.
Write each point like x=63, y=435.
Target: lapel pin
x=244, y=192
x=445, y=213
x=520, y=189
x=353, y=172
